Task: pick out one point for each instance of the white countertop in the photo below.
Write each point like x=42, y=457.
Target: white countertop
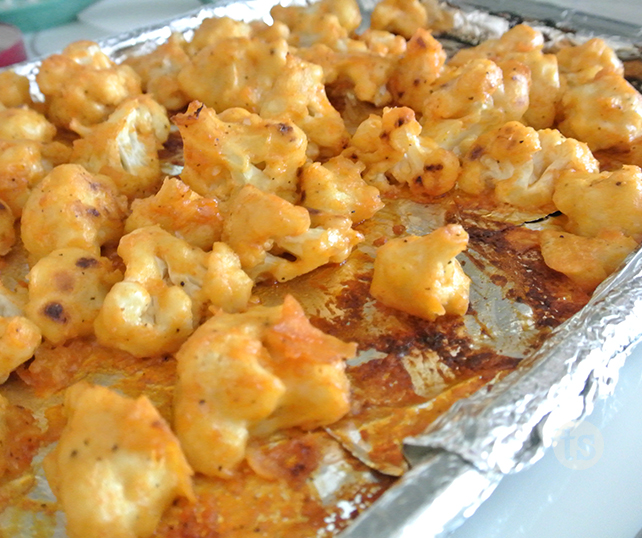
x=549, y=500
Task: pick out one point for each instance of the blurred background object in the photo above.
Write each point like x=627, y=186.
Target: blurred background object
x=12, y=47
x=34, y=15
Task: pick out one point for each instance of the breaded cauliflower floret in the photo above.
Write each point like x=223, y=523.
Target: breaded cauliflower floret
x=605, y=112
x=580, y=64
x=14, y=89
x=214, y=30
x=275, y=238
x=520, y=165
x=259, y=74
x=72, y=208
x=330, y=239
x=23, y=123
x=298, y=95
x=327, y=21
x=356, y=68
x=234, y=72
x=66, y=290
x=125, y=146
x=597, y=202
x=23, y=164
x=21, y=168
x=179, y=210
x=473, y=98
x=19, y=339
x=84, y=85
x=524, y=44
x=587, y=261
x=336, y=187
x=160, y=301
x=393, y=150
x=7, y=229
x=421, y=276
x=117, y=466
x=255, y=373
x=416, y=70
x=159, y=70
x=224, y=152
x=226, y=285
x=254, y=220
x=403, y=17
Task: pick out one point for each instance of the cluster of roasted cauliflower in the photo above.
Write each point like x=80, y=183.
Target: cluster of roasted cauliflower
x=292, y=135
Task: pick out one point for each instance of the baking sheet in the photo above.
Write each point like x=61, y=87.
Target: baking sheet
x=457, y=464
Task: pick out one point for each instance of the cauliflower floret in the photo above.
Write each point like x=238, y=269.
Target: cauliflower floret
x=392, y=148
x=125, y=147
x=366, y=72
x=7, y=229
x=440, y=17
x=178, y=210
x=521, y=165
x=330, y=239
x=235, y=148
x=524, y=44
x=23, y=163
x=417, y=69
x=19, y=339
x=605, y=112
x=72, y=208
x=21, y=168
x=587, y=261
x=84, y=85
x=216, y=29
x=421, y=276
x=234, y=72
x=336, y=187
x=14, y=89
x=580, y=64
x=252, y=374
x=160, y=301
x=254, y=220
x=402, y=17
x=159, y=70
x=66, y=291
x=328, y=21
x=545, y=93
x=298, y=95
x=596, y=202
x=473, y=98
x=212, y=31
x=519, y=39
x=117, y=466
x=267, y=232
x=226, y=285
x=264, y=78
x=25, y=123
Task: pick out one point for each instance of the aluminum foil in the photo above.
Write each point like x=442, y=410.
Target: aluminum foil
x=457, y=463
x=460, y=460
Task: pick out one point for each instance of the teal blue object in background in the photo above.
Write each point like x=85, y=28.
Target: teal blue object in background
x=34, y=15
